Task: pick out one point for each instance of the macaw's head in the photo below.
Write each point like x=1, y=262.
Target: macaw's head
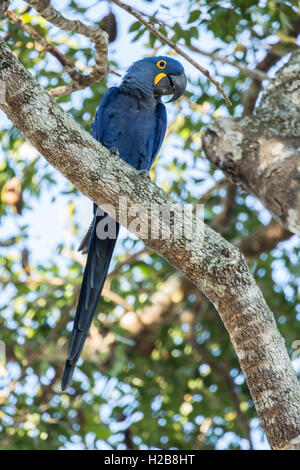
x=156, y=76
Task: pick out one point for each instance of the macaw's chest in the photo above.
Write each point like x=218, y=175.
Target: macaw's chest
x=131, y=128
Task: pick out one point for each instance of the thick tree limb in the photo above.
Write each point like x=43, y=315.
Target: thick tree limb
x=261, y=152
x=216, y=267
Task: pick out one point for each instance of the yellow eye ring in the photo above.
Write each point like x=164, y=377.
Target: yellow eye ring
x=161, y=64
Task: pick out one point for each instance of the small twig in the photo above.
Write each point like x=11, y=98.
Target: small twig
x=66, y=89
x=263, y=240
x=33, y=280
x=270, y=59
x=4, y=395
x=224, y=219
x=151, y=19
x=174, y=46
x=74, y=255
x=128, y=260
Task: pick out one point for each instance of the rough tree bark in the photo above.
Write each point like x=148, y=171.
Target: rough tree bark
x=261, y=152
x=216, y=267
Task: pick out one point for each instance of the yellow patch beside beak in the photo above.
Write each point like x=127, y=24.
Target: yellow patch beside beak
x=158, y=77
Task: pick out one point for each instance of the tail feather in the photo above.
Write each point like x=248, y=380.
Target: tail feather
x=99, y=257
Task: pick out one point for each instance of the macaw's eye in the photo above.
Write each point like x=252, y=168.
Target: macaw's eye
x=161, y=64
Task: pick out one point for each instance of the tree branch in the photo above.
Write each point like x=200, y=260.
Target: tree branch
x=273, y=55
x=99, y=37
x=256, y=74
x=216, y=267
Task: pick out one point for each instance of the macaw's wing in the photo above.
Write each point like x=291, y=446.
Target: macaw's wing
x=161, y=127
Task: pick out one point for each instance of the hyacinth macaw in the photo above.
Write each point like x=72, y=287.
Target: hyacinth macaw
x=132, y=119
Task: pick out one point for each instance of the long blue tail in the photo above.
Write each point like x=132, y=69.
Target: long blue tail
x=99, y=255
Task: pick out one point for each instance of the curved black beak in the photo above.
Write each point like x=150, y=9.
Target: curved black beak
x=171, y=84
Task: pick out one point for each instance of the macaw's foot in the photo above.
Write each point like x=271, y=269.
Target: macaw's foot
x=144, y=173
x=114, y=151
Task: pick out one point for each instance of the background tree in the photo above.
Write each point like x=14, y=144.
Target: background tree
x=140, y=384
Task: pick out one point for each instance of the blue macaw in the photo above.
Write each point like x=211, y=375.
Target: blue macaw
x=132, y=119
